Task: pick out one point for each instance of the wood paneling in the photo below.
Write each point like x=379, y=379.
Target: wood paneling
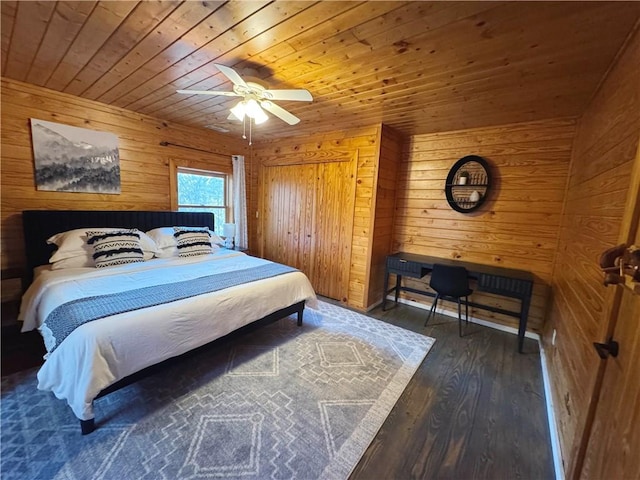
x=362, y=146
x=599, y=183
x=144, y=163
x=383, y=214
x=417, y=66
x=517, y=227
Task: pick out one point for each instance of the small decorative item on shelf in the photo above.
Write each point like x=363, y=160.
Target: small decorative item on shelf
x=475, y=196
x=229, y=230
x=463, y=178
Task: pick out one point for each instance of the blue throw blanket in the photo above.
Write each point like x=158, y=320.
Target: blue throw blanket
x=69, y=316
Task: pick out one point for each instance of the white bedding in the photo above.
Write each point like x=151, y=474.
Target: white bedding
x=101, y=352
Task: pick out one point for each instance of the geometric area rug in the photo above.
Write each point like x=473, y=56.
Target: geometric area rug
x=276, y=402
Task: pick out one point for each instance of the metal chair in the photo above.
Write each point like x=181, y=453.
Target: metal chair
x=450, y=283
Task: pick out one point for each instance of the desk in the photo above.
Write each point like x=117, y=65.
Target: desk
x=506, y=282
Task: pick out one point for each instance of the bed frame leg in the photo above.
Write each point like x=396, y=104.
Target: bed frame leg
x=87, y=426
x=300, y=313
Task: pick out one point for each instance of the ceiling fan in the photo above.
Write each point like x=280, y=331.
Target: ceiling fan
x=255, y=98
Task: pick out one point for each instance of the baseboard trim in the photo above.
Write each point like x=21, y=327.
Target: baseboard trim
x=478, y=321
x=553, y=430
x=551, y=418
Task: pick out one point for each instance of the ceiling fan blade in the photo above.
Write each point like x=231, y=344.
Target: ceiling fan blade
x=209, y=92
x=232, y=75
x=298, y=95
x=280, y=112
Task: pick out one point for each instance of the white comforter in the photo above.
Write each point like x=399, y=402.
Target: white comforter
x=101, y=352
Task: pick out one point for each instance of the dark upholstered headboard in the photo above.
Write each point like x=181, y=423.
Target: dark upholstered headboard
x=39, y=225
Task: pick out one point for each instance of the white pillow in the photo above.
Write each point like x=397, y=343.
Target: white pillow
x=73, y=243
x=163, y=237
x=74, y=262
x=216, y=240
x=167, y=252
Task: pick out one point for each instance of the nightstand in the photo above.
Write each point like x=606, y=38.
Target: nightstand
x=20, y=351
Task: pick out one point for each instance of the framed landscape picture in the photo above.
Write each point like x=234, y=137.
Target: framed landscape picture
x=72, y=159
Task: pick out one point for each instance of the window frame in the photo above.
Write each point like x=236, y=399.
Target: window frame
x=228, y=208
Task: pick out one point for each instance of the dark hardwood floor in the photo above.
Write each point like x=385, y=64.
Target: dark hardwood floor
x=475, y=409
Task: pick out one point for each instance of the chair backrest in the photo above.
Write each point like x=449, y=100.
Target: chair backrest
x=449, y=281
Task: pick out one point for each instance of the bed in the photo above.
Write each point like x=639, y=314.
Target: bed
x=129, y=317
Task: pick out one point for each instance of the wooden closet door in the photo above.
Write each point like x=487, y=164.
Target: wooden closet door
x=333, y=230
x=308, y=221
x=288, y=202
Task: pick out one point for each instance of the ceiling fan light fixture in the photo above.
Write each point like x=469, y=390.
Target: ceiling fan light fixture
x=239, y=110
x=260, y=116
x=251, y=109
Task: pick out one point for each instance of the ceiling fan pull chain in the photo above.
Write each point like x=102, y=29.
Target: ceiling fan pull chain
x=244, y=127
x=250, y=130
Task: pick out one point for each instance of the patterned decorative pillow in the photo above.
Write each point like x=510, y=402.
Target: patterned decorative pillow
x=192, y=242
x=72, y=244
x=115, y=248
x=163, y=236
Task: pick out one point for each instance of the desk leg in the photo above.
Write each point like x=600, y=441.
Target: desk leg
x=522, y=327
x=385, y=289
x=398, y=281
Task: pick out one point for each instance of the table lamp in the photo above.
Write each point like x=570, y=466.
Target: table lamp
x=229, y=231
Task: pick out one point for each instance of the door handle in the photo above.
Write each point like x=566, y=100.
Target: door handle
x=606, y=349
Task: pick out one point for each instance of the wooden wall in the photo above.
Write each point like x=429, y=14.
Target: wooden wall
x=363, y=145
x=383, y=214
x=517, y=226
x=604, y=150
x=144, y=164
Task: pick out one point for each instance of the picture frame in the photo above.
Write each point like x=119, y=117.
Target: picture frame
x=73, y=159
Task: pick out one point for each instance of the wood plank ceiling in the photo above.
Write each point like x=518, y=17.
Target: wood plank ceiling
x=419, y=67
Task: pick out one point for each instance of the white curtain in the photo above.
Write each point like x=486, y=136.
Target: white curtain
x=240, y=201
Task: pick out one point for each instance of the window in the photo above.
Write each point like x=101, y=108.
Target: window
x=203, y=191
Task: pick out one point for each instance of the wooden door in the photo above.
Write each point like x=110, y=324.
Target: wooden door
x=288, y=206
x=614, y=443
x=333, y=231
x=613, y=447
x=308, y=221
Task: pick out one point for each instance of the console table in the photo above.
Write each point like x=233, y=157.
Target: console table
x=507, y=282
